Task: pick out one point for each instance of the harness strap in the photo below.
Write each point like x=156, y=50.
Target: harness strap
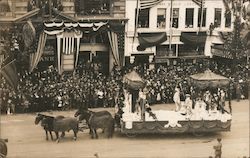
x=91, y=115
x=2, y=155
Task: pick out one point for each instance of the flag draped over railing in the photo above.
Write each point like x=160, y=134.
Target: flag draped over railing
x=10, y=74
x=66, y=45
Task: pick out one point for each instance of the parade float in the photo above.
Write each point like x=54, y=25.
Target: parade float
x=167, y=121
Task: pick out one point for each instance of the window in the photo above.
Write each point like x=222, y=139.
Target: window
x=217, y=17
x=228, y=20
x=143, y=18
x=189, y=23
x=163, y=50
x=92, y=7
x=204, y=17
x=175, y=22
x=161, y=18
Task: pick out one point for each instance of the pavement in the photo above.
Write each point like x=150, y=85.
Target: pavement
x=27, y=140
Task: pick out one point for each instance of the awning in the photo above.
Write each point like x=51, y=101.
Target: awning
x=194, y=38
x=218, y=50
x=218, y=46
x=150, y=39
x=224, y=35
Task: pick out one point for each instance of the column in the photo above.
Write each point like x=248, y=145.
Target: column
x=111, y=60
x=132, y=59
x=151, y=64
x=177, y=50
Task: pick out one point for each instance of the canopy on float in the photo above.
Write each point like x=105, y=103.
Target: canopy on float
x=133, y=80
x=209, y=79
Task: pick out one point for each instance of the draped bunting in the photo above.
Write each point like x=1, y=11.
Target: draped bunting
x=52, y=28
x=36, y=57
x=114, y=47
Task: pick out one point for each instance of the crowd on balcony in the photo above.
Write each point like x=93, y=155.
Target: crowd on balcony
x=44, y=5
x=46, y=90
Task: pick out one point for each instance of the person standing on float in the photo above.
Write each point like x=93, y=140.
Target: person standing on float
x=176, y=99
x=142, y=101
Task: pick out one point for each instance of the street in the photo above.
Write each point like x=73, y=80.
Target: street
x=28, y=140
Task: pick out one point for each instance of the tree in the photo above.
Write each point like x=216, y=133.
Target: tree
x=235, y=46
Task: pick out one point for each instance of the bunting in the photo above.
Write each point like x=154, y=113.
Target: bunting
x=52, y=28
x=10, y=74
x=113, y=41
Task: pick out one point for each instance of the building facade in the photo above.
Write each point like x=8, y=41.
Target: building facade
x=187, y=33
x=101, y=24
x=160, y=32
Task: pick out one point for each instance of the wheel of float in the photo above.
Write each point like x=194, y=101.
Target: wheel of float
x=131, y=135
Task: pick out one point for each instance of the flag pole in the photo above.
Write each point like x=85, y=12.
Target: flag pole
x=1, y=96
x=202, y=12
x=170, y=27
x=1, y=68
x=136, y=23
x=201, y=23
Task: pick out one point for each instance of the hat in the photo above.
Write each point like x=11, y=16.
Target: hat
x=187, y=95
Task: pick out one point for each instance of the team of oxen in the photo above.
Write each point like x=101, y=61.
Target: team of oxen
x=95, y=120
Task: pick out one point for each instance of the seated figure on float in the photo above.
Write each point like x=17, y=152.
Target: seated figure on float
x=186, y=109
x=199, y=109
x=212, y=107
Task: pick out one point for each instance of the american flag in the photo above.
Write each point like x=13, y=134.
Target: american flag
x=200, y=3
x=144, y=4
x=10, y=74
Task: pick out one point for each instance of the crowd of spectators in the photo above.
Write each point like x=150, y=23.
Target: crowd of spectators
x=88, y=86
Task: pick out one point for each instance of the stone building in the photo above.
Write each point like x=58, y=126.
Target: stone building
x=171, y=30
